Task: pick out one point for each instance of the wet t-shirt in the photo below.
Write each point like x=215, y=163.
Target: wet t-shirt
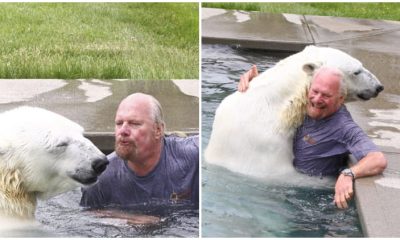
x=321, y=147
x=175, y=178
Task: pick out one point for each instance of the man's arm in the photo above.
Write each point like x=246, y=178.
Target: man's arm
x=373, y=163
x=246, y=78
x=131, y=218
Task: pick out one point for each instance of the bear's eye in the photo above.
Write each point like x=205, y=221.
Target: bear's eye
x=357, y=72
x=62, y=144
x=58, y=148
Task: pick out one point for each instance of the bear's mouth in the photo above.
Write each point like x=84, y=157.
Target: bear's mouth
x=368, y=94
x=86, y=180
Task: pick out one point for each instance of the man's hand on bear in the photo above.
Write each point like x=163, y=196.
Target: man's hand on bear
x=246, y=78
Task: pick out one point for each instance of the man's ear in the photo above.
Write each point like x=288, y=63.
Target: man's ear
x=159, y=130
x=310, y=68
x=342, y=99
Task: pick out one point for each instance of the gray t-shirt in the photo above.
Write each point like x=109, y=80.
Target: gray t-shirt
x=321, y=147
x=175, y=178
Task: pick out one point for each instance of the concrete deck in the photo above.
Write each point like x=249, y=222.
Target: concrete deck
x=92, y=103
x=375, y=43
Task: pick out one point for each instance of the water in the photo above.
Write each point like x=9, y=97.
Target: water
x=62, y=216
x=234, y=205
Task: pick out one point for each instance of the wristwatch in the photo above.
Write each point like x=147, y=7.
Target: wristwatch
x=348, y=172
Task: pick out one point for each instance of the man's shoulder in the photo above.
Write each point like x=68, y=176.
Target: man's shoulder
x=343, y=113
x=341, y=120
x=177, y=141
x=182, y=148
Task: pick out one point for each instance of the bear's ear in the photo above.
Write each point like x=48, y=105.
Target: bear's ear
x=310, y=68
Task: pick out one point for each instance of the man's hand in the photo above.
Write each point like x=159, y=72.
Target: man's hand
x=246, y=78
x=372, y=164
x=343, y=191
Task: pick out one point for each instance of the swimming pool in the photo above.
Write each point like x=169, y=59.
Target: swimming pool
x=234, y=205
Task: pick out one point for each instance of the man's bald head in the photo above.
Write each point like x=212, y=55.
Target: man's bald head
x=145, y=99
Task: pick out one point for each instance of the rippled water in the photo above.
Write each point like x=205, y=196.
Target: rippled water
x=234, y=205
x=62, y=216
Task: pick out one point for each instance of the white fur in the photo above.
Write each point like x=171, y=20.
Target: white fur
x=253, y=131
x=42, y=154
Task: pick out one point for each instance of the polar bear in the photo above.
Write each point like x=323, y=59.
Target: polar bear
x=253, y=131
x=42, y=154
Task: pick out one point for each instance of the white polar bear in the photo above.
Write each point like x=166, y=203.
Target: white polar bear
x=253, y=131
x=42, y=154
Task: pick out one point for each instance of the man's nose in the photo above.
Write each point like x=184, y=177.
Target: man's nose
x=125, y=130
x=316, y=98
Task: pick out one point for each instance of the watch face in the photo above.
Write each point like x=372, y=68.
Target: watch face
x=348, y=172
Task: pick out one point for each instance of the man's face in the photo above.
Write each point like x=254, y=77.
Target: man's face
x=324, y=97
x=135, y=130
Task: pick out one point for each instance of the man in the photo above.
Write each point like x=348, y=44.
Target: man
x=146, y=165
x=328, y=134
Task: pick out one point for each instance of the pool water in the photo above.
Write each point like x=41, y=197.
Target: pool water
x=62, y=216
x=235, y=205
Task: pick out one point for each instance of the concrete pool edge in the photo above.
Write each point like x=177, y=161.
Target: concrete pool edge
x=366, y=194
x=376, y=204
x=224, y=28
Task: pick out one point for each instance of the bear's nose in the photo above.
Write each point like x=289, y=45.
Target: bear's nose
x=379, y=89
x=99, y=165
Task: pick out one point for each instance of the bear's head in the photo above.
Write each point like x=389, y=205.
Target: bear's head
x=48, y=151
x=361, y=84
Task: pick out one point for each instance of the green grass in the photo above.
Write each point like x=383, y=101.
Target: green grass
x=387, y=11
x=99, y=40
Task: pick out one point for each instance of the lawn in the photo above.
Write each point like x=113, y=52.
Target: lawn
x=376, y=10
x=99, y=40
